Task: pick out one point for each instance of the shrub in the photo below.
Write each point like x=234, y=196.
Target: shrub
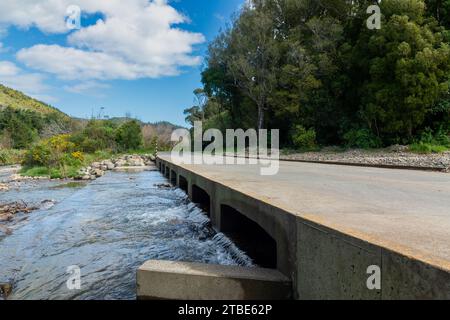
x=431, y=142
x=11, y=156
x=53, y=152
x=362, y=138
x=304, y=139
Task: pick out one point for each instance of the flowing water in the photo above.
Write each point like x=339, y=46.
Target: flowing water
x=108, y=228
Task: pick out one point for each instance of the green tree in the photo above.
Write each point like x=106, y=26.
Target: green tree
x=254, y=61
x=409, y=68
x=129, y=136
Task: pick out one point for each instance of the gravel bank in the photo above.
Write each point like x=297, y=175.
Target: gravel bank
x=398, y=156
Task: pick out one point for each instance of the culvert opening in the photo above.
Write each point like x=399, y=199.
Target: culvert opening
x=201, y=198
x=167, y=173
x=173, y=177
x=183, y=184
x=249, y=237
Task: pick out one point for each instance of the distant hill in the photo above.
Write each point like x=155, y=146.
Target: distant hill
x=18, y=100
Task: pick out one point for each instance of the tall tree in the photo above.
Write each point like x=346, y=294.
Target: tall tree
x=254, y=62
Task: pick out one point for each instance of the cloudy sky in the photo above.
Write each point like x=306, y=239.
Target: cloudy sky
x=141, y=57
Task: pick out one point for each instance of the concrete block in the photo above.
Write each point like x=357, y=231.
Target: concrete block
x=404, y=278
x=196, y=281
x=333, y=266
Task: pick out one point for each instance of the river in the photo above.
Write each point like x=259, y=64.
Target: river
x=108, y=228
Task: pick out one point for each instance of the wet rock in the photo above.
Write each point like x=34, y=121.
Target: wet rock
x=6, y=217
x=47, y=204
x=6, y=290
x=4, y=187
x=163, y=186
x=98, y=173
x=5, y=230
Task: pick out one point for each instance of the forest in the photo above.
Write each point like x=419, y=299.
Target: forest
x=314, y=70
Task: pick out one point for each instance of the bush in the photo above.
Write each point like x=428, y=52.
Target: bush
x=304, y=139
x=129, y=136
x=362, y=138
x=431, y=142
x=55, y=152
x=11, y=156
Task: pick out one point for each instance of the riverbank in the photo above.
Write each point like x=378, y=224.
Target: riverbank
x=94, y=170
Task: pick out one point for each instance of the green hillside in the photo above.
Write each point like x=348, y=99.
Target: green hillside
x=17, y=100
x=24, y=120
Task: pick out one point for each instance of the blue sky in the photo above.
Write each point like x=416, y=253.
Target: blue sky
x=135, y=56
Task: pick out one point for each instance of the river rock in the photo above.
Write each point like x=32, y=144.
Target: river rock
x=136, y=162
x=4, y=187
x=97, y=173
x=121, y=163
x=96, y=165
x=5, y=289
x=108, y=165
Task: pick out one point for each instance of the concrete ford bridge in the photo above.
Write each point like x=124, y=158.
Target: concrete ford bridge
x=321, y=228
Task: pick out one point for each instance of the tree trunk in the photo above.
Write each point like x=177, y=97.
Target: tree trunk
x=260, y=117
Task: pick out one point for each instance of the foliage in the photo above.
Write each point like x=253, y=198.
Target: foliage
x=129, y=136
x=57, y=151
x=362, y=138
x=96, y=135
x=304, y=139
x=11, y=156
x=315, y=64
x=431, y=142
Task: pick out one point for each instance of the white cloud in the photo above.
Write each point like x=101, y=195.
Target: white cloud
x=136, y=39
x=16, y=78
x=87, y=88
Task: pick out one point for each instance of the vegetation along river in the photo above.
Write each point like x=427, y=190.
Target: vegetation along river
x=107, y=228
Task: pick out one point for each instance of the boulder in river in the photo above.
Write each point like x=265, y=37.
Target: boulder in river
x=5, y=290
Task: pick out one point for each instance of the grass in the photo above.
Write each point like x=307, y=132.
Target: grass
x=53, y=173
x=427, y=148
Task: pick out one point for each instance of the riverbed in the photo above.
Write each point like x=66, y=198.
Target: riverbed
x=107, y=228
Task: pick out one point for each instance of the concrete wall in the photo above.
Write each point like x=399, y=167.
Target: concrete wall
x=195, y=281
x=323, y=263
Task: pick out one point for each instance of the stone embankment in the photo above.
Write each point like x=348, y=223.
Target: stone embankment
x=98, y=169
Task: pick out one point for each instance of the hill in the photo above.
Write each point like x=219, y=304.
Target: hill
x=19, y=101
x=24, y=120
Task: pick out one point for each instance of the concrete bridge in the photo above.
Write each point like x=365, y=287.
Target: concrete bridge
x=323, y=227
